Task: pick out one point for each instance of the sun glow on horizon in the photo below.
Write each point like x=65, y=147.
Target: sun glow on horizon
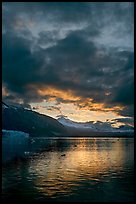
x=76, y=108
x=73, y=112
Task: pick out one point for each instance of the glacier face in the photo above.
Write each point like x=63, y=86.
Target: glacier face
x=14, y=145
x=13, y=133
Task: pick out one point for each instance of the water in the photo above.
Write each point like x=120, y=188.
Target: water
x=72, y=170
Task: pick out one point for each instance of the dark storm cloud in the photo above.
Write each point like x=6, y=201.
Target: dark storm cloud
x=128, y=111
x=83, y=47
x=124, y=120
x=20, y=67
x=125, y=94
x=62, y=9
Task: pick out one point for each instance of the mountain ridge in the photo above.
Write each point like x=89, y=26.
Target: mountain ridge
x=92, y=128
x=36, y=124
x=21, y=119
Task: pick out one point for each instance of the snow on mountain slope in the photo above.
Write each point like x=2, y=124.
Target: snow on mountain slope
x=4, y=105
x=94, y=126
x=67, y=122
x=34, y=123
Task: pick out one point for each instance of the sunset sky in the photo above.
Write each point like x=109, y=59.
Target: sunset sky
x=72, y=58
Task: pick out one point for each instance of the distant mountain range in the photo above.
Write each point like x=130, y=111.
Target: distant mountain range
x=94, y=128
x=21, y=119
x=36, y=124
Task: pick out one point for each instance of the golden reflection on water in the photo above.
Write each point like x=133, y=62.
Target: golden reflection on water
x=82, y=162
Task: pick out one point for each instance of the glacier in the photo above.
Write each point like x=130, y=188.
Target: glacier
x=14, y=145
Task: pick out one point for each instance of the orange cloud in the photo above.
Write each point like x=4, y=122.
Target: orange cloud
x=4, y=91
x=58, y=93
x=81, y=103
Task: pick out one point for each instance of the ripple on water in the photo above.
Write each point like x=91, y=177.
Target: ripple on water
x=90, y=170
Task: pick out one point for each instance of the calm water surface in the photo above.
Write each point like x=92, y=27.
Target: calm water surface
x=73, y=170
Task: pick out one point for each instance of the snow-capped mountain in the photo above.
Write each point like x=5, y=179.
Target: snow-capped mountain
x=28, y=121
x=93, y=126
x=67, y=122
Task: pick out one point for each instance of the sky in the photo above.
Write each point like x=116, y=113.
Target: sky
x=74, y=59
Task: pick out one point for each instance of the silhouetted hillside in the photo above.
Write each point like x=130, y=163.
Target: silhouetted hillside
x=14, y=118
